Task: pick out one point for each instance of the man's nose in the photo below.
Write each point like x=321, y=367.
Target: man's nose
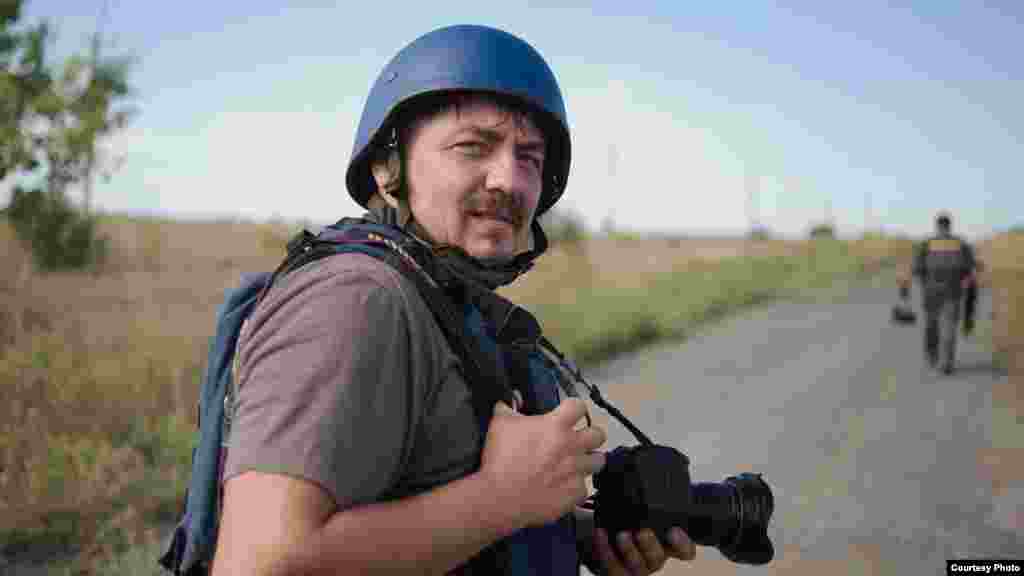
x=506, y=172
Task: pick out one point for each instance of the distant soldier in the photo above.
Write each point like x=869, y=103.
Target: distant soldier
x=944, y=264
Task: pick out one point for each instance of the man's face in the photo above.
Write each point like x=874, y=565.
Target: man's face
x=474, y=177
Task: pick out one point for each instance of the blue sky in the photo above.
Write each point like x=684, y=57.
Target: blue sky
x=249, y=108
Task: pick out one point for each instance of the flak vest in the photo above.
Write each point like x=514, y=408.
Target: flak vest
x=541, y=550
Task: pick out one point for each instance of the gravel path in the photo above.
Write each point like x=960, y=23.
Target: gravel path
x=873, y=459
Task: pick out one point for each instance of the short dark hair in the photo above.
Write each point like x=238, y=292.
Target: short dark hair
x=396, y=132
x=429, y=105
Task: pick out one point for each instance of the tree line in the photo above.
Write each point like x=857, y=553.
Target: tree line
x=53, y=118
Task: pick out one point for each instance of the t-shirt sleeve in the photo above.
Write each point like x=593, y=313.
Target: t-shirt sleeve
x=326, y=382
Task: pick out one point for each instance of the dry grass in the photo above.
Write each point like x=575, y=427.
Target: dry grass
x=100, y=376
x=599, y=298
x=1004, y=275
x=1002, y=464
x=635, y=263
x=100, y=373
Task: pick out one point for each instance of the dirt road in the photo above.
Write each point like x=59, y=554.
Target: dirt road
x=878, y=465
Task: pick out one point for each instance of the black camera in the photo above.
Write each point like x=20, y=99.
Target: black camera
x=649, y=486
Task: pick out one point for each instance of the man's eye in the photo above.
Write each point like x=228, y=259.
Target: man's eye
x=471, y=147
x=535, y=160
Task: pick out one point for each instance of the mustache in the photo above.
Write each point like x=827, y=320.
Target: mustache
x=502, y=206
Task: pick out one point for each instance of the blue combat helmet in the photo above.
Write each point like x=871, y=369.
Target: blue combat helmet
x=463, y=58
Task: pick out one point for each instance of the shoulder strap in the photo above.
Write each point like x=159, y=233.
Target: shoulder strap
x=188, y=550
x=488, y=383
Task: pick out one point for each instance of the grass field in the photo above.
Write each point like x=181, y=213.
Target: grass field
x=1003, y=461
x=1004, y=257
x=101, y=372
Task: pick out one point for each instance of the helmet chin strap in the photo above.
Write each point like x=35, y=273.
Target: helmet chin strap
x=490, y=272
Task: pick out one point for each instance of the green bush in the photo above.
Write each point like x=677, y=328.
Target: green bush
x=624, y=235
x=760, y=233
x=563, y=226
x=56, y=234
x=823, y=231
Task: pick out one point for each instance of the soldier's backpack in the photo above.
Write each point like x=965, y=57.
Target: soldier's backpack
x=945, y=260
x=190, y=549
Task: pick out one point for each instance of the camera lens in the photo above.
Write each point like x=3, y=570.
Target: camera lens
x=649, y=487
x=733, y=517
x=715, y=514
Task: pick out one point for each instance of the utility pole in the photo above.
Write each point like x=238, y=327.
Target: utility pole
x=613, y=164
x=752, y=184
x=867, y=210
x=613, y=159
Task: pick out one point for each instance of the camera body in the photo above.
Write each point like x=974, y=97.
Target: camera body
x=649, y=486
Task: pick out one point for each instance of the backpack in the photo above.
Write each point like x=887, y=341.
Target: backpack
x=945, y=261
x=189, y=551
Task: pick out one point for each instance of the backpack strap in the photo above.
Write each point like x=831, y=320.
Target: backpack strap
x=190, y=548
x=488, y=384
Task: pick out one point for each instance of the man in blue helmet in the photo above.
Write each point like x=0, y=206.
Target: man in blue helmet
x=355, y=445
x=945, y=266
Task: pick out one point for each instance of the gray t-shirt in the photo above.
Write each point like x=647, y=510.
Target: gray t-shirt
x=345, y=380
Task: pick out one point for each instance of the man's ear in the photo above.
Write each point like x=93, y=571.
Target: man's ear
x=387, y=173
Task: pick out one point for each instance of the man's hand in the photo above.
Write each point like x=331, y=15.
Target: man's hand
x=640, y=553
x=539, y=464
x=968, y=280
